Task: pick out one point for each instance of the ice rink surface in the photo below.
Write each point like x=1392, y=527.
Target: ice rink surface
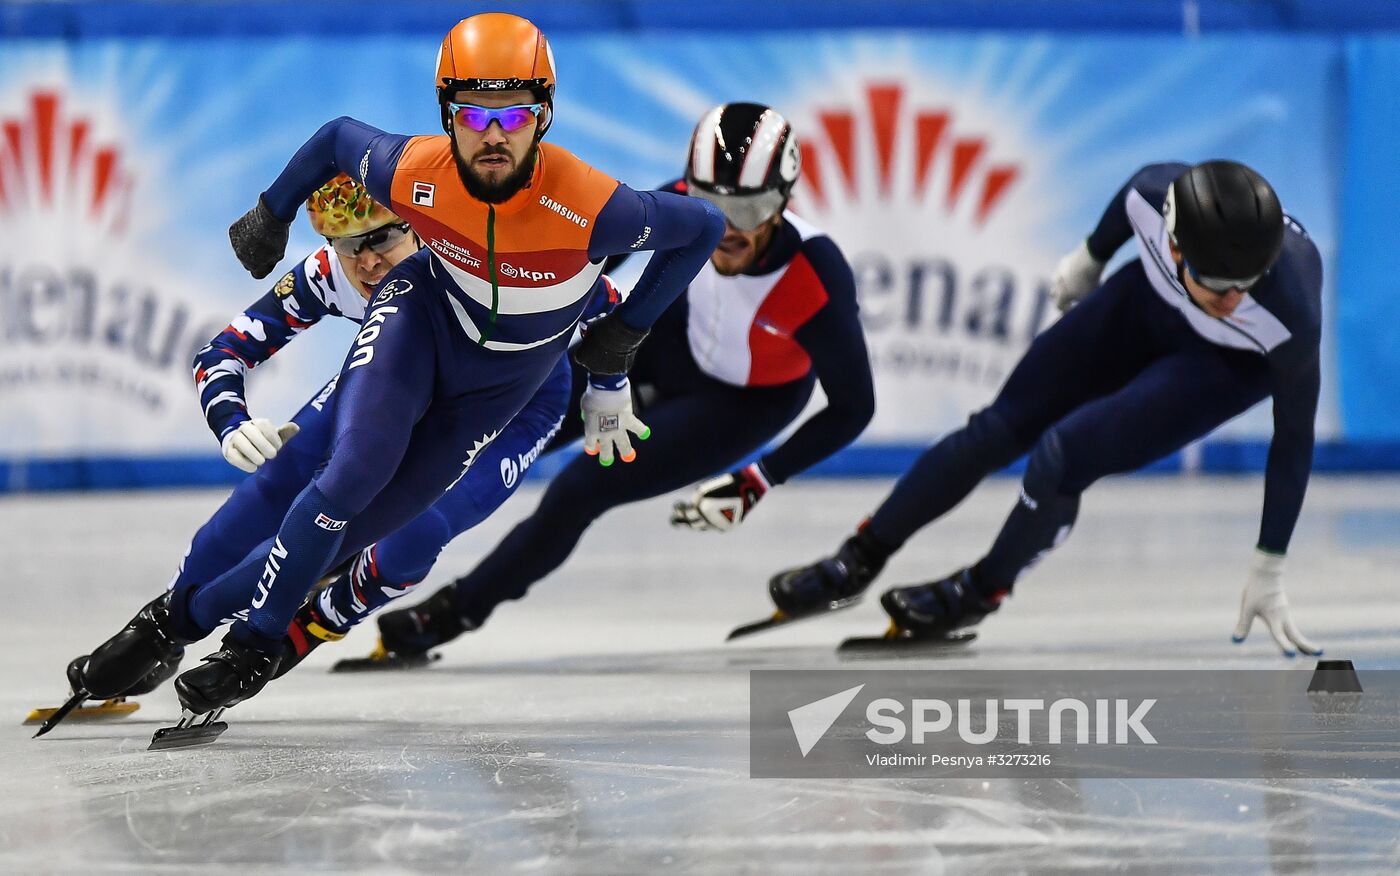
x=601, y=726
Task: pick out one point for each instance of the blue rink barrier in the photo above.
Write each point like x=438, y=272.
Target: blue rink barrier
x=869, y=461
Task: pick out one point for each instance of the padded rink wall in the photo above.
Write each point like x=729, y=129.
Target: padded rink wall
x=953, y=149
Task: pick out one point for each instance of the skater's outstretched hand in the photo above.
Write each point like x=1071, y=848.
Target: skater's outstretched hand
x=259, y=240
x=1076, y=275
x=607, y=418
x=722, y=503
x=255, y=442
x=1264, y=598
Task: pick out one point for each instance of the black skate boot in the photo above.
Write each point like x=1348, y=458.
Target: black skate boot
x=78, y=706
x=135, y=661
x=839, y=579
x=307, y=632
x=139, y=658
x=939, y=608
x=227, y=677
x=827, y=585
x=163, y=672
x=407, y=635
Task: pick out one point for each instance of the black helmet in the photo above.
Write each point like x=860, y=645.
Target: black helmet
x=1227, y=223
x=744, y=159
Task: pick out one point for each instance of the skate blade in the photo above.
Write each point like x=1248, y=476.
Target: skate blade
x=187, y=733
x=898, y=641
x=782, y=619
x=184, y=737
x=117, y=707
x=380, y=660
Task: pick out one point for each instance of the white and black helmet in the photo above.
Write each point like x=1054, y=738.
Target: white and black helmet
x=744, y=159
x=1227, y=222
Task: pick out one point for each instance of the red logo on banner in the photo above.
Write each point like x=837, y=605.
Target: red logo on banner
x=50, y=162
x=886, y=129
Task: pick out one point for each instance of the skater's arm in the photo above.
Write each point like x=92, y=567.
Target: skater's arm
x=253, y=337
x=259, y=237
x=1113, y=229
x=614, y=262
x=1295, y=393
x=1293, y=293
x=682, y=231
x=834, y=342
x=366, y=153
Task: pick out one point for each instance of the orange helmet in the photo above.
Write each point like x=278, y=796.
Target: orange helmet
x=342, y=208
x=495, y=51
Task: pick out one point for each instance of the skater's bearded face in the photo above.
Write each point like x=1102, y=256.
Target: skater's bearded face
x=495, y=164
x=1216, y=304
x=738, y=250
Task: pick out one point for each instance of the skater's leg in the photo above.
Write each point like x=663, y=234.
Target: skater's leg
x=149, y=649
x=1040, y=522
x=943, y=476
x=251, y=514
x=1174, y=401
x=432, y=462
x=1091, y=351
x=394, y=565
x=380, y=399
x=678, y=454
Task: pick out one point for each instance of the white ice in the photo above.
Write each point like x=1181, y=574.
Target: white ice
x=600, y=726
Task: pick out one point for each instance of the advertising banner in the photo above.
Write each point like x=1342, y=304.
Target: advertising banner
x=953, y=170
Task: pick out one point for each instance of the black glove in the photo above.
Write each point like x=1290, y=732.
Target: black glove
x=609, y=345
x=259, y=240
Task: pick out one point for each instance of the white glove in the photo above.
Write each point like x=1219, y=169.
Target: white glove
x=255, y=442
x=1076, y=275
x=1264, y=598
x=607, y=418
x=722, y=503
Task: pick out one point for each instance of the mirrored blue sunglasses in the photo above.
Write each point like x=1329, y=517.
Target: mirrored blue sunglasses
x=511, y=118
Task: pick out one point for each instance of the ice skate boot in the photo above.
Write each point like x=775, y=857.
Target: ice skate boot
x=831, y=584
x=928, y=617
x=77, y=707
x=135, y=661
x=940, y=607
x=234, y=673
x=407, y=635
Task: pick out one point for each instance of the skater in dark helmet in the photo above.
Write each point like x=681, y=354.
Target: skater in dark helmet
x=1220, y=310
